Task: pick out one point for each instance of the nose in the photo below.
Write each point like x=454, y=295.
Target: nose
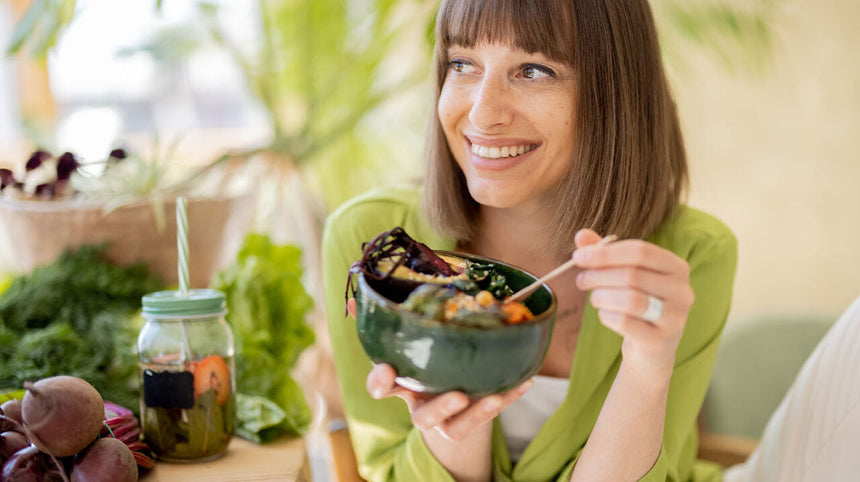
x=491, y=105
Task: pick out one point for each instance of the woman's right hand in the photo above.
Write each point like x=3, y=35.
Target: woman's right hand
x=453, y=414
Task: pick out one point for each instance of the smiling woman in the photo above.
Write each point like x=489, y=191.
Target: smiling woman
x=553, y=123
x=596, y=84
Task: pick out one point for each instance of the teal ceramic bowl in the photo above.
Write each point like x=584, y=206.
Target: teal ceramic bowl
x=434, y=357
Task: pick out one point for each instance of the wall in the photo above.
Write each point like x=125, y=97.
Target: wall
x=776, y=155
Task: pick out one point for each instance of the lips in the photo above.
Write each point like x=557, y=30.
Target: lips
x=498, y=154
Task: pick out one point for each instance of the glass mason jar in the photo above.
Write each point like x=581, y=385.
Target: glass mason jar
x=187, y=384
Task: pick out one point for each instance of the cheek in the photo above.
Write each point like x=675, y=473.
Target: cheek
x=445, y=109
x=566, y=122
x=454, y=102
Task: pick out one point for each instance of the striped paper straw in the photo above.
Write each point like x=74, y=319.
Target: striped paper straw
x=182, y=243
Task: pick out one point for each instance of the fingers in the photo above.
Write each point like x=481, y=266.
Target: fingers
x=435, y=411
x=642, y=292
x=480, y=412
x=380, y=381
x=646, y=281
x=451, y=413
x=631, y=253
x=351, y=307
x=632, y=303
x=650, y=347
x=381, y=384
x=586, y=237
x=626, y=325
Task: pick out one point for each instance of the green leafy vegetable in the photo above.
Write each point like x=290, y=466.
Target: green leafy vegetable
x=76, y=316
x=267, y=306
x=262, y=418
x=488, y=279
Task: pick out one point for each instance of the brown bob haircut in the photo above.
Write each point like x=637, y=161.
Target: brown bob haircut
x=630, y=170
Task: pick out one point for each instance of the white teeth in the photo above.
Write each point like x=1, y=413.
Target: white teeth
x=500, y=152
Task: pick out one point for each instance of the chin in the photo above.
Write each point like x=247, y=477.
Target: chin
x=495, y=197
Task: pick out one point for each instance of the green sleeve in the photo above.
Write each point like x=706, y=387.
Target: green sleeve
x=712, y=261
x=386, y=445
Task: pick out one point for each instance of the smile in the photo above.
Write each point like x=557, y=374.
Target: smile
x=501, y=152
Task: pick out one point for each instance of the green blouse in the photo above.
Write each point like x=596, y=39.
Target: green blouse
x=388, y=447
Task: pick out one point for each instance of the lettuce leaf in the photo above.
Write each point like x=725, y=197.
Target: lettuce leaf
x=267, y=304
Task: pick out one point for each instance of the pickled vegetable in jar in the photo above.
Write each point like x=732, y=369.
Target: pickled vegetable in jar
x=187, y=383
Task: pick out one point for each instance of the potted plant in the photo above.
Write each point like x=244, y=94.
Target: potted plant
x=50, y=206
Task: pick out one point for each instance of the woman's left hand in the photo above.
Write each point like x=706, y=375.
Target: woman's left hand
x=642, y=292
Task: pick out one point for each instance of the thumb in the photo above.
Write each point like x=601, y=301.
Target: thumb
x=586, y=237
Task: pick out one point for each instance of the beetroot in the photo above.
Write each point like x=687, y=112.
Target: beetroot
x=30, y=465
x=63, y=414
x=7, y=424
x=11, y=442
x=11, y=409
x=107, y=459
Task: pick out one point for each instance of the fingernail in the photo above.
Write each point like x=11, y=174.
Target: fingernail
x=378, y=392
x=581, y=254
x=581, y=279
x=442, y=432
x=452, y=404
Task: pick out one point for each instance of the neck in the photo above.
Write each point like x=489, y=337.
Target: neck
x=516, y=235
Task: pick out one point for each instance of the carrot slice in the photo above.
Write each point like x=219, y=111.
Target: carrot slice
x=212, y=373
x=517, y=312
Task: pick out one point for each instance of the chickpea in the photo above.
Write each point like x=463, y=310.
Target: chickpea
x=484, y=298
x=451, y=308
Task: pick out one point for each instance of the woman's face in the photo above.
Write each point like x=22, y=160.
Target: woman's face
x=509, y=119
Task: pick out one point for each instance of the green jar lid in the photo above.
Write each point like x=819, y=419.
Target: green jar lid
x=192, y=303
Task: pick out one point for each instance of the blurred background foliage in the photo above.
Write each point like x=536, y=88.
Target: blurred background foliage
x=344, y=85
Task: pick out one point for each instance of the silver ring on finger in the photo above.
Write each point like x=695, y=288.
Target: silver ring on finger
x=654, y=310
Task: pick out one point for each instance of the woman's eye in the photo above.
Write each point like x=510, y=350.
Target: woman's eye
x=460, y=66
x=532, y=71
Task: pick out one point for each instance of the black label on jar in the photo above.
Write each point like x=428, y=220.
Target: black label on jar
x=168, y=389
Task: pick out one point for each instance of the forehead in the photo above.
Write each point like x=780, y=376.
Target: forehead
x=544, y=27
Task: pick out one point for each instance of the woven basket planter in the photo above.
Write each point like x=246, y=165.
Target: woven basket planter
x=39, y=231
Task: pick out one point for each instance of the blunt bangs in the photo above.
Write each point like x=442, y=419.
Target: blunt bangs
x=533, y=26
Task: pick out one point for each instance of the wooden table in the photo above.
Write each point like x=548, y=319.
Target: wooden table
x=283, y=460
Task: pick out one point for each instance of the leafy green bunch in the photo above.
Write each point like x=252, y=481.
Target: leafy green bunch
x=267, y=304
x=75, y=316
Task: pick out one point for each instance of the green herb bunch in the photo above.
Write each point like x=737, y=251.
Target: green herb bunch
x=75, y=317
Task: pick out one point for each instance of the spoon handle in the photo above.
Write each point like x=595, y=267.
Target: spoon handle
x=525, y=292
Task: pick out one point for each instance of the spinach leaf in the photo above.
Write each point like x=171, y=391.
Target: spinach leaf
x=485, y=275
